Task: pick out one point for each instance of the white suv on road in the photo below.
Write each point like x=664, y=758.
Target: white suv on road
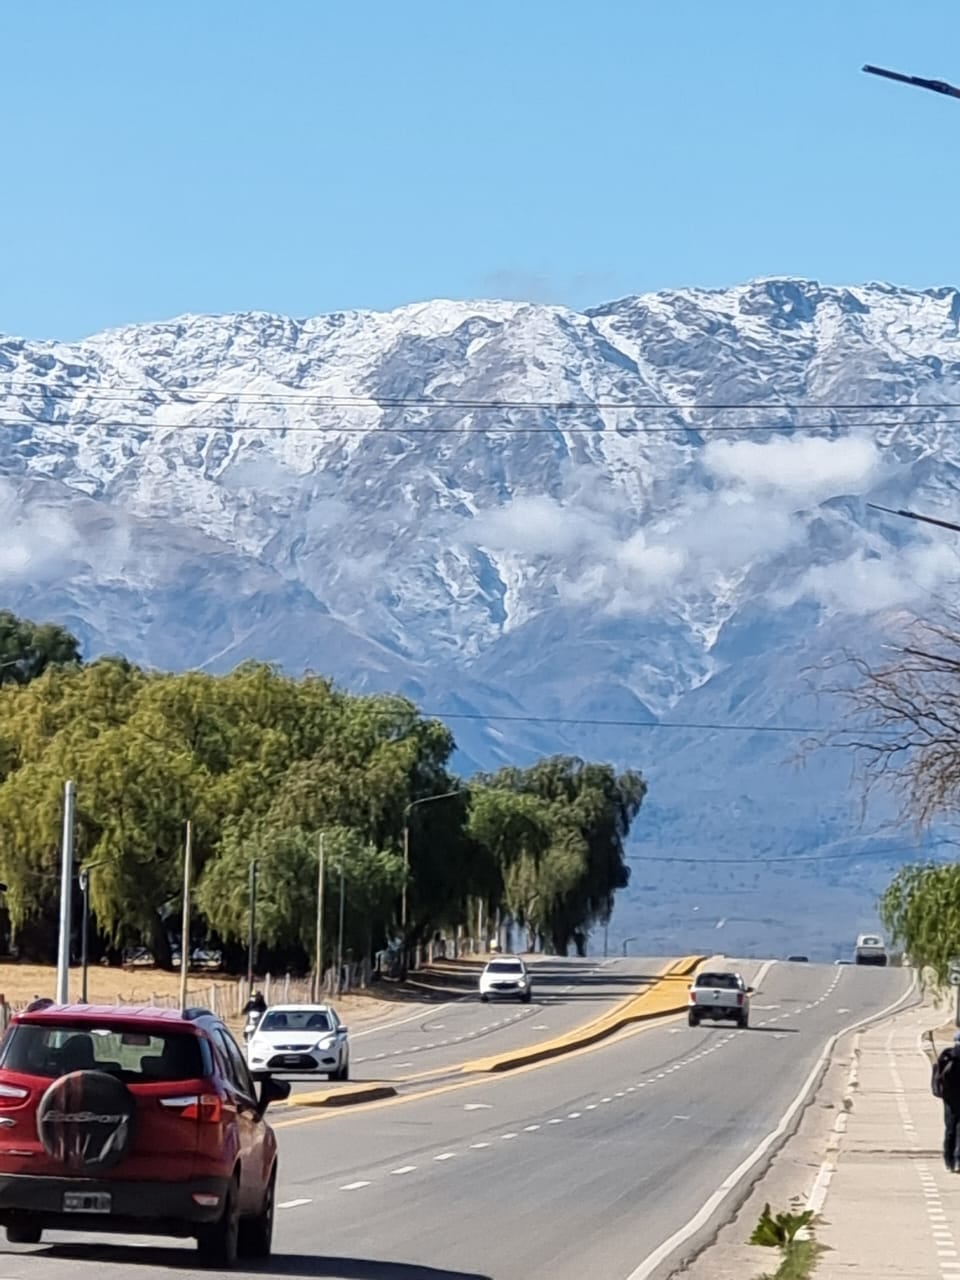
x=506, y=977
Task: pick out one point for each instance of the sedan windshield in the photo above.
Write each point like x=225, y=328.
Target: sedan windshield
x=296, y=1020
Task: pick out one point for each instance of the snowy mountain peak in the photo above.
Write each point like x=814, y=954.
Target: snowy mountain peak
x=624, y=513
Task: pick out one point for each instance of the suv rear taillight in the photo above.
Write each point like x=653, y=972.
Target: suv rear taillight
x=693, y=996
x=740, y=997
x=205, y=1107
x=12, y=1095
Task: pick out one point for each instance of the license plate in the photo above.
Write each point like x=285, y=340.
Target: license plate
x=87, y=1201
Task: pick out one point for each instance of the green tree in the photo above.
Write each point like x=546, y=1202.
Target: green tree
x=27, y=648
x=287, y=873
x=920, y=910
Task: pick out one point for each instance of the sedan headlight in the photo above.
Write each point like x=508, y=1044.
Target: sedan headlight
x=325, y=1042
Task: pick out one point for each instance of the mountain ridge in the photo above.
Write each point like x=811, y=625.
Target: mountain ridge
x=408, y=499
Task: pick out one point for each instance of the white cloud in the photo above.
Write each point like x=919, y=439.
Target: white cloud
x=807, y=467
x=707, y=538
x=36, y=542
x=865, y=584
x=537, y=525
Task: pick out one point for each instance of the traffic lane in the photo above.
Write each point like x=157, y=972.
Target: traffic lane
x=566, y=994
x=596, y=1185
x=607, y=1175
x=375, y=1139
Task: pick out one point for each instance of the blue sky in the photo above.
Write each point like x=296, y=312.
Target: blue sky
x=308, y=155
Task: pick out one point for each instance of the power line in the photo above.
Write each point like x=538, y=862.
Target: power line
x=503, y=429
x=190, y=398
x=764, y=861
x=596, y=723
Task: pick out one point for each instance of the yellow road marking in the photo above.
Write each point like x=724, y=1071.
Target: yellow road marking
x=492, y=1081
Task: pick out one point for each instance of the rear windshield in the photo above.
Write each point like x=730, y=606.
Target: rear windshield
x=504, y=966
x=129, y=1054
x=296, y=1020
x=871, y=941
x=728, y=981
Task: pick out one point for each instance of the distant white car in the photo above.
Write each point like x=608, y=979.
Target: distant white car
x=300, y=1039
x=506, y=977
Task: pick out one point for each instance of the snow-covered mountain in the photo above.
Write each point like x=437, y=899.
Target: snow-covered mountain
x=493, y=507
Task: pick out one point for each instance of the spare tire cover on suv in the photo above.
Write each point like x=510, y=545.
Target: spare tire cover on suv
x=87, y=1120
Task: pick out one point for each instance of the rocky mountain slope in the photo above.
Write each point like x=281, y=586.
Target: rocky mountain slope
x=489, y=506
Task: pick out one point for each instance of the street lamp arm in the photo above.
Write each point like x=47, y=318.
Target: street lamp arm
x=914, y=515
x=919, y=82
x=446, y=795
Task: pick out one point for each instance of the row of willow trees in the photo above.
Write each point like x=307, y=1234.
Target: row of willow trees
x=263, y=765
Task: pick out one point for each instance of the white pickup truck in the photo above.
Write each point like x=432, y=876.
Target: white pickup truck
x=721, y=997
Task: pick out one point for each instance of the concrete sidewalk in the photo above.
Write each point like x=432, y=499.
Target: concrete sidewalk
x=884, y=1200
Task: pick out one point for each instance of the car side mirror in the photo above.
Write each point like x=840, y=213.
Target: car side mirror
x=343, y=1029
x=272, y=1090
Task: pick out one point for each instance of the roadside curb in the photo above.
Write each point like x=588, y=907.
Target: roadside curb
x=665, y=995
x=342, y=1097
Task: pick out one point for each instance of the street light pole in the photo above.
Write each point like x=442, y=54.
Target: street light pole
x=252, y=934
x=318, y=962
x=626, y=943
x=446, y=795
x=343, y=863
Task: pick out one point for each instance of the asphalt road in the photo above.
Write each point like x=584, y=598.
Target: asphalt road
x=582, y=1165
x=438, y=1038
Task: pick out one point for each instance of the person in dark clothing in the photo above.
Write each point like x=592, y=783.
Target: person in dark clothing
x=256, y=1004
x=946, y=1087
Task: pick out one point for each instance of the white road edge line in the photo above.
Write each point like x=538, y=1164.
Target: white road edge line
x=669, y=1246
x=292, y=1204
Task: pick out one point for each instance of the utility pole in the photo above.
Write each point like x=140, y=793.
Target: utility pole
x=84, y=879
x=252, y=934
x=66, y=893
x=185, y=926
x=340, y=930
x=318, y=962
x=606, y=934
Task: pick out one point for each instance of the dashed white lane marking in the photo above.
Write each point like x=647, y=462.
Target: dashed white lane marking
x=937, y=1217
x=404, y=1168
x=292, y=1204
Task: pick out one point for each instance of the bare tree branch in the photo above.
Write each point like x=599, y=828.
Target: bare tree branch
x=906, y=719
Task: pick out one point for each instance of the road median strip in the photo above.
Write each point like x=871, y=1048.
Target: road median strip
x=342, y=1097
x=667, y=994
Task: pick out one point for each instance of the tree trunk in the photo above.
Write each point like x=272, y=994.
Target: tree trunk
x=160, y=945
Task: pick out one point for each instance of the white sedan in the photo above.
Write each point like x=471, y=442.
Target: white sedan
x=300, y=1039
x=506, y=977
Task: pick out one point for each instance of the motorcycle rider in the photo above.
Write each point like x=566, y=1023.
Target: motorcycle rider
x=256, y=1004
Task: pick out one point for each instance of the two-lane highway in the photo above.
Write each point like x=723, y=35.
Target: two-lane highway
x=582, y=1165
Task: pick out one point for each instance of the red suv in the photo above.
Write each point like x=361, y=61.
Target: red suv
x=135, y=1120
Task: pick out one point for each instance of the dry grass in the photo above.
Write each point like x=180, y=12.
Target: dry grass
x=21, y=983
